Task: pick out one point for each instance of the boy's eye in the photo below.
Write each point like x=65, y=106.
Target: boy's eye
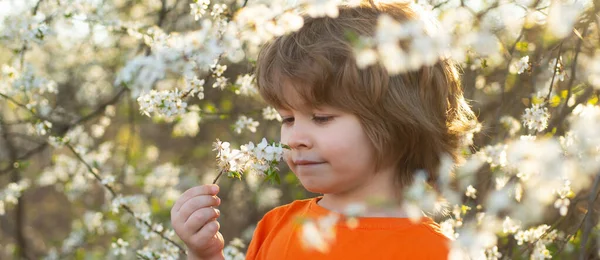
x=287, y=120
x=322, y=119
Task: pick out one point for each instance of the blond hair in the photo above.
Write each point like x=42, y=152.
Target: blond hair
x=411, y=119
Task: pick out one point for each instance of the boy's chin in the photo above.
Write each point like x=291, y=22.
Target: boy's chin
x=315, y=187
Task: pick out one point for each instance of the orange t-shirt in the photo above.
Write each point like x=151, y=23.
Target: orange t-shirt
x=277, y=237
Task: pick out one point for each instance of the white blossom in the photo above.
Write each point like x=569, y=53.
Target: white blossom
x=164, y=103
x=188, y=125
x=562, y=17
x=419, y=198
x=141, y=73
x=321, y=8
x=219, y=70
x=471, y=192
x=120, y=247
x=495, y=155
x=536, y=118
x=162, y=177
x=364, y=52
x=511, y=124
x=270, y=113
x=320, y=233
x=563, y=205
x=447, y=228
x=13, y=192
x=520, y=66
x=42, y=128
x=220, y=82
x=108, y=180
x=198, y=9
x=510, y=226
x=218, y=10
x=93, y=222
x=250, y=158
x=245, y=122
x=592, y=69
x=194, y=86
x=561, y=73
x=246, y=85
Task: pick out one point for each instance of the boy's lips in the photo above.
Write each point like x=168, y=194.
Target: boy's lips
x=306, y=162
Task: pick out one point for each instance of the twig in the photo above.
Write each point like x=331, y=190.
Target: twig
x=554, y=72
x=217, y=178
x=577, y=229
x=163, y=13
x=35, y=9
x=574, y=66
x=21, y=105
x=101, y=108
x=587, y=229
x=440, y=4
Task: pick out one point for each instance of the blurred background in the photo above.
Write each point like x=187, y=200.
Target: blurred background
x=65, y=66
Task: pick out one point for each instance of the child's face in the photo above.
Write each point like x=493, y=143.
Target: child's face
x=330, y=152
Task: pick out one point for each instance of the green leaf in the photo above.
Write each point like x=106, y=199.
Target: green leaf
x=522, y=46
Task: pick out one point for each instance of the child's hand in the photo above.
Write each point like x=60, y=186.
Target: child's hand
x=195, y=222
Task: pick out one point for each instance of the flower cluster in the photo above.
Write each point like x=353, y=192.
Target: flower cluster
x=164, y=103
x=189, y=123
x=42, y=128
x=259, y=23
x=495, y=155
x=319, y=234
x=198, y=8
x=120, y=247
x=162, y=180
x=245, y=122
x=270, y=113
x=194, y=86
x=424, y=45
x=536, y=118
x=260, y=159
x=521, y=65
x=233, y=251
x=511, y=124
x=245, y=84
x=11, y=194
x=540, y=237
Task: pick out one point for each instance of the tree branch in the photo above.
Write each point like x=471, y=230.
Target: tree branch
x=65, y=129
x=125, y=207
x=587, y=229
x=554, y=73
x=20, y=206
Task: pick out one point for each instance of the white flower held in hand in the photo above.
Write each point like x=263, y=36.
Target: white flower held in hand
x=261, y=159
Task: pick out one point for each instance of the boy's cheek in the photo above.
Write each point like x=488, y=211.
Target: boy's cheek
x=287, y=157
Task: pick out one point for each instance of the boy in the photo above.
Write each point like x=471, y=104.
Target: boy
x=354, y=134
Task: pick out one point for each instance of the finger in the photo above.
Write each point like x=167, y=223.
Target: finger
x=212, y=189
x=203, y=237
x=200, y=218
x=196, y=203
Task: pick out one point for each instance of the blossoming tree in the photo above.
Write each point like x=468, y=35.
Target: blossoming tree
x=110, y=108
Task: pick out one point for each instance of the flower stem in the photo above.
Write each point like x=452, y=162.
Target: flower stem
x=217, y=178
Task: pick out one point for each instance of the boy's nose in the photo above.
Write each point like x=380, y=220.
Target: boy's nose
x=297, y=138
